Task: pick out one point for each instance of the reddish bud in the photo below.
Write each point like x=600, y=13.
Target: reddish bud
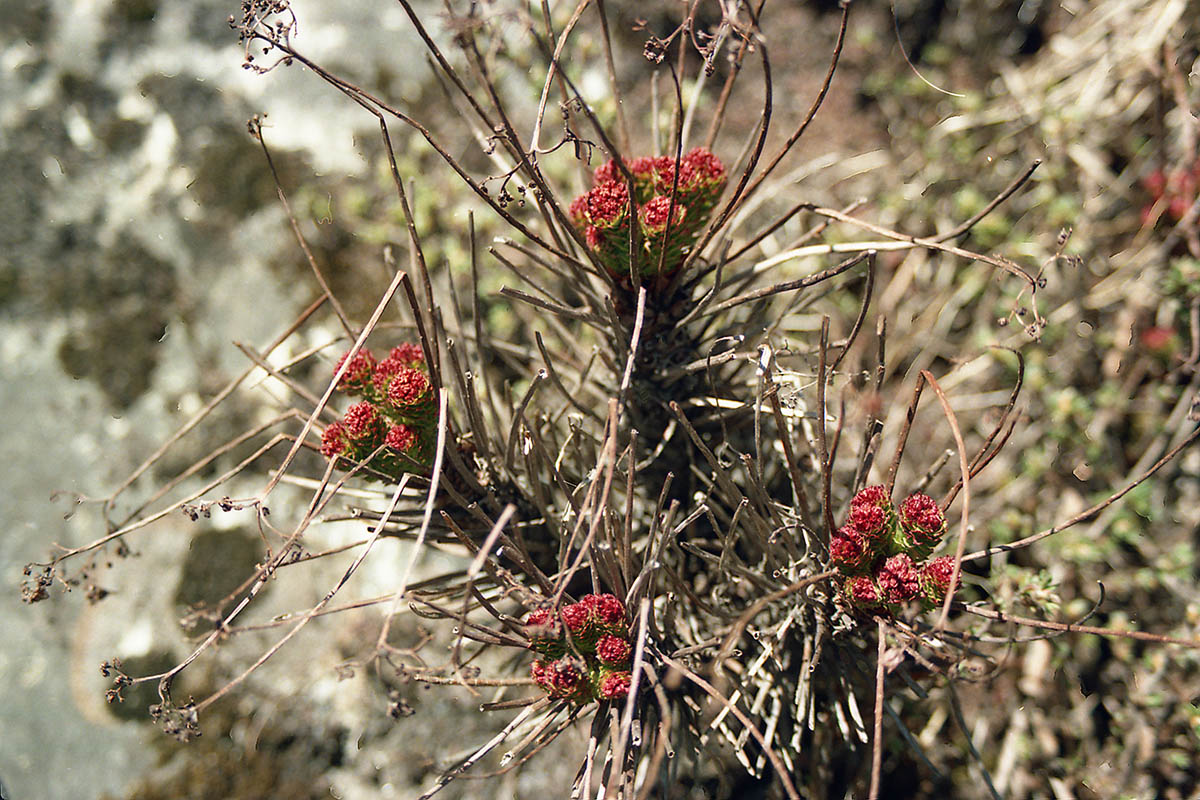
x=862, y=592
x=608, y=171
x=544, y=632
x=705, y=164
x=898, y=579
x=849, y=551
x=408, y=354
x=1155, y=183
x=935, y=581
x=643, y=168
x=869, y=521
x=362, y=422
x=607, y=203
x=407, y=388
x=613, y=650
x=576, y=617
x=872, y=496
x=333, y=440
x=608, y=609
x=542, y=675
x=579, y=209
x=401, y=438
x=566, y=678
x=357, y=376
x=920, y=515
x=615, y=686
x=654, y=214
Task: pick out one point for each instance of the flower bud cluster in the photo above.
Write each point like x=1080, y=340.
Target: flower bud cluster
x=585, y=650
x=883, y=550
x=396, y=417
x=674, y=201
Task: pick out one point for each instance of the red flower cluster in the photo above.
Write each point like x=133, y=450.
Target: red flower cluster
x=880, y=548
x=1171, y=193
x=589, y=639
x=561, y=679
x=394, y=423
x=934, y=580
x=674, y=202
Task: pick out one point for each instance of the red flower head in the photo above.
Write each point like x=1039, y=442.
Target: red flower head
x=1155, y=183
x=333, y=440
x=850, y=551
x=608, y=610
x=592, y=617
x=898, y=579
x=608, y=172
x=654, y=215
x=401, y=438
x=542, y=675
x=578, y=619
x=643, y=168
x=921, y=527
x=664, y=176
x=869, y=521
x=871, y=513
x=408, y=354
x=872, y=496
x=935, y=581
x=578, y=209
x=645, y=174
x=612, y=650
x=862, y=593
x=615, y=686
x=705, y=165
x=407, y=388
x=606, y=204
x=362, y=422
x=357, y=377
x=592, y=236
x=921, y=516
x=566, y=679
x=544, y=632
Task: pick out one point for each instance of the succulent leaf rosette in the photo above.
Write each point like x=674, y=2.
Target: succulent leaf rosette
x=584, y=650
x=883, y=550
